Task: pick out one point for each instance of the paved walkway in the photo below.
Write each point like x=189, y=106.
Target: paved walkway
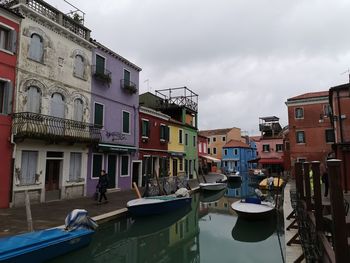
x=52, y=214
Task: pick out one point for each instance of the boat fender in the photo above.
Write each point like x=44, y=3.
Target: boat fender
x=182, y=192
x=78, y=218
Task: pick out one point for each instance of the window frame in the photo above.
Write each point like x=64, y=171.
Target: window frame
x=296, y=110
x=279, y=145
x=83, y=67
x=70, y=164
x=36, y=168
x=264, y=146
x=223, y=138
x=148, y=128
x=6, y=103
x=214, y=151
x=297, y=137
x=103, y=114
x=92, y=165
x=39, y=60
x=180, y=136
x=225, y=151
x=129, y=123
x=121, y=165
x=332, y=134
x=104, y=64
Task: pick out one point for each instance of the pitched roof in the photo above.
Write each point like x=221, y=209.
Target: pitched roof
x=310, y=95
x=255, y=138
x=236, y=144
x=215, y=132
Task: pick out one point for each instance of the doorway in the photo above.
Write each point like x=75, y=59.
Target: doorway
x=137, y=173
x=52, y=179
x=111, y=172
x=174, y=167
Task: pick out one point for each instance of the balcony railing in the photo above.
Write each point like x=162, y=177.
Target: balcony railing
x=103, y=75
x=128, y=86
x=34, y=125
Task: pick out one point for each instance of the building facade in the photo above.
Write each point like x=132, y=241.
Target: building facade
x=340, y=117
x=51, y=127
x=114, y=109
x=311, y=133
x=9, y=28
x=153, y=145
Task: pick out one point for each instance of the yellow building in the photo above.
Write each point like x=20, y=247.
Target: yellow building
x=176, y=148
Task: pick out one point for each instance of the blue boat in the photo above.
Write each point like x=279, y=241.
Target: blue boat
x=157, y=205
x=43, y=245
x=40, y=246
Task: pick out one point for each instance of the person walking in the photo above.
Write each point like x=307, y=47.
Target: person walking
x=102, y=186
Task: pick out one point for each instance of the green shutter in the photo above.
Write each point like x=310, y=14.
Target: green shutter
x=167, y=133
x=7, y=94
x=126, y=76
x=98, y=116
x=125, y=165
x=100, y=64
x=126, y=122
x=96, y=165
x=145, y=128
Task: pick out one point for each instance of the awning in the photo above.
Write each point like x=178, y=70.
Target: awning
x=177, y=154
x=106, y=147
x=213, y=159
x=271, y=161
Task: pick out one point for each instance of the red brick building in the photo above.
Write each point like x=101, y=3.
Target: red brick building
x=153, y=145
x=310, y=130
x=339, y=98
x=9, y=28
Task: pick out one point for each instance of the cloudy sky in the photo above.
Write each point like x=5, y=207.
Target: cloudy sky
x=243, y=57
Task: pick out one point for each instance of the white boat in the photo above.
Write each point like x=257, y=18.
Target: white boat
x=212, y=186
x=253, y=210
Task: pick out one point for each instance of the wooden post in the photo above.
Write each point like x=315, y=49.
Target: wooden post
x=136, y=190
x=338, y=214
x=299, y=180
x=317, y=194
x=28, y=211
x=307, y=185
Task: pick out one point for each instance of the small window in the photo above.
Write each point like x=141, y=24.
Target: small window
x=164, y=132
x=208, y=140
x=181, y=164
x=208, y=150
x=145, y=129
x=75, y=167
x=36, y=48
x=98, y=115
x=8, y=39
x=79, y=66
x=279, y=147
x=126, y=76
x=266, y=147
x=5, y=97
x=180, y=136
x=33, y=99
x=124, y=166
x=194, y=141
x=300, y=137
x=327, y=110
x=214, y=139
x=100, y=64
x=330, y=135
x=186, y=139
x=126, y=122
x=236, y=151
x=78, y=110
x=223, y=138
x=97, y=160
x=214, y=150
x=299, y=113
x=28, y=167
x=225, y=152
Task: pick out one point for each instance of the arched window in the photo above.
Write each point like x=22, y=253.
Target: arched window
x=79, y=66
x=78, y=110
x=36, y=48
x=57, y=105
x=33, y=99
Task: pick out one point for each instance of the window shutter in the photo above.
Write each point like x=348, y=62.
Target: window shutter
x=97, y=165
x=126, y=122
x=33, y=100
x=8, y=98
x=100, y=64
x=78, y=110
x=166, y=133
x=13, y=40
x=98, y=117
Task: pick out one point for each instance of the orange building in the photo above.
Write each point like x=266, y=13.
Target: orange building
x=310, y=130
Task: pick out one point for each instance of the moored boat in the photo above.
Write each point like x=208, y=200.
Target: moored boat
x=253, y=208
x=234, y=177
x=211, y=196
x=212, y=186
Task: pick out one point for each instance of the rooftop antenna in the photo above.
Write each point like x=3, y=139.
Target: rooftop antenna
x=347, y=71
x=76, y=14
x=148, y=87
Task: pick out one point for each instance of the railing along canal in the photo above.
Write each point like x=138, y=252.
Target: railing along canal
x=322, y=240
x=34, y=125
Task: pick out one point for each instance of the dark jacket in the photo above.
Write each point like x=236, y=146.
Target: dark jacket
x=102, y=183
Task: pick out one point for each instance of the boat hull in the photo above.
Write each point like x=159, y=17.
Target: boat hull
x=234, y=178
x=145, y=206
x=253, y=211
x=44, y=245
x=212, y=186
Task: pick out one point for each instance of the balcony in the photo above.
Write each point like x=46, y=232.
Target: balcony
x=128, y=86
x=102, y=74
x=39, y=126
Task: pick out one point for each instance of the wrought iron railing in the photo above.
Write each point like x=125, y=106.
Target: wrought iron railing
x=128, y=86
x=103, y=74
x=34, y=125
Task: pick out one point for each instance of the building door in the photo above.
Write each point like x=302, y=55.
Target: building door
x=174, y=167
x=136, y=173
x=112, y=160
x=52, y=179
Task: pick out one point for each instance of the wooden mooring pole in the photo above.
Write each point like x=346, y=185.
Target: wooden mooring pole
x=299, y=180
x=28, y=211
x=317, y=194
x=342, y=253
x=306, y=166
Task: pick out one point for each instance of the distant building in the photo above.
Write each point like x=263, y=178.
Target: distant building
x=218, y=138
x=340, y=118
x=9, y=28
x=311, y=133
x=236, y=156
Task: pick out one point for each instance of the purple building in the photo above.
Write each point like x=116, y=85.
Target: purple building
x=114, y=104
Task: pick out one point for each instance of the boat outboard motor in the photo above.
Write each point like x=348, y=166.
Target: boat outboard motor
x=79, y=218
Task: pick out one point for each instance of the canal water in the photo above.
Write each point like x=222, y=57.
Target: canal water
x=208, y=231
